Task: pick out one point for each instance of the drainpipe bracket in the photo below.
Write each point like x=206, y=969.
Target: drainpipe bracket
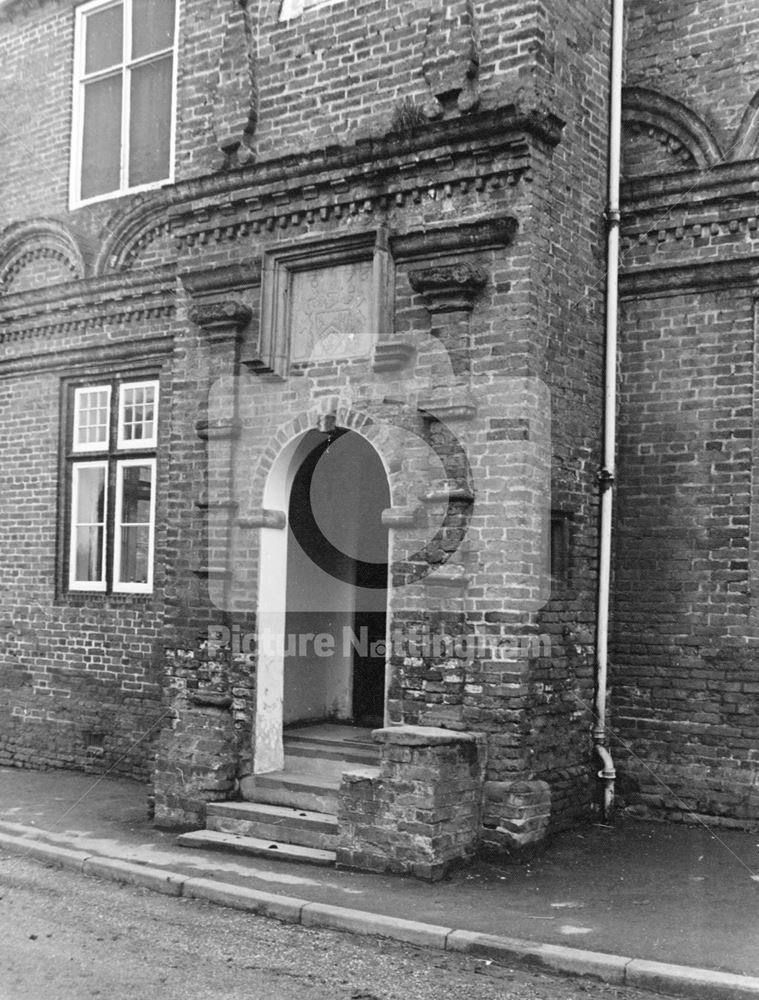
x=606, y=477
x=613, y=216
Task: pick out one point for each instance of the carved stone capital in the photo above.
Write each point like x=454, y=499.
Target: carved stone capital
x=221, y=319
x=449, y=287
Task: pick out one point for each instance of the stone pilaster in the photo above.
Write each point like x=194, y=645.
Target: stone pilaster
x=449, y=291
x=208, y=690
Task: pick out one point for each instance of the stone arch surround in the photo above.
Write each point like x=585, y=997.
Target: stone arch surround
x=272, y=590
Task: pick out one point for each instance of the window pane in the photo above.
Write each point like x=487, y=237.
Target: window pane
x=104, y=38
x=89, y=555
x=135, y=554
x=150, y=122
x=90, y=489
x=91, y=420
x=135, y=496
x=138, y=414
x=101, y=141
x=88, y=527
x=152, y=26
x=135, y=523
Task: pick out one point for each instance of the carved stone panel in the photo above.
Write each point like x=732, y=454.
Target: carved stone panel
x=323, y=299
x=330, y=312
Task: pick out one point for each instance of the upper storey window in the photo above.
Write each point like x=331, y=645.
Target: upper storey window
x=124, y=97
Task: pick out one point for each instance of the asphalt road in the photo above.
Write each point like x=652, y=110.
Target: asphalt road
x=69, y=937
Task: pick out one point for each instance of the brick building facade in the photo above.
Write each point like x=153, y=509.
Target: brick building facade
x=301, y=355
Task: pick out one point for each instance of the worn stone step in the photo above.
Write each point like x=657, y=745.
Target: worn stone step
x=298, y=789
x=331, y=734
x=283, y=824
x=327, y=740
x=310, y=751
x=331, y=768
x=256, y=847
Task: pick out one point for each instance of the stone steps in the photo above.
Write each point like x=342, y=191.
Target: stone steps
x=291, y=814
x=283, y=824
x=302, y=754
x=213, y=839
x=311, y=790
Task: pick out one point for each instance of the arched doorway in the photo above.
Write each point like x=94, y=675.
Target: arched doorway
x=334, y=664
x=322, y=595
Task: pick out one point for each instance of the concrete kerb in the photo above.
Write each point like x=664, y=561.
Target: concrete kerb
x=63, y=857
x=679, y=980
x=609, y=968
x=265, y=904
x=145, y=876
x=360, y=922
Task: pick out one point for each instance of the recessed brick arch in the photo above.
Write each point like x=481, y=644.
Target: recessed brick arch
x=671, y=122
x=46, y=248
x=127, y=235
x=745, y=145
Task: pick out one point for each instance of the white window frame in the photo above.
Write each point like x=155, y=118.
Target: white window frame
x=90, y=585
x=77, y=131
x=85, y=446
x=132, y=588
x=112, y=455
x=151, y=442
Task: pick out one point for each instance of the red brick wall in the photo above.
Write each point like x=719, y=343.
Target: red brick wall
x=684, y=684
x=564, y=316
x=699, y=52
x=36, y=109
x=683, y=679
x=330, y=78
x=80, y=673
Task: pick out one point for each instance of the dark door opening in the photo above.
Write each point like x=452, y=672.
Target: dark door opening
x=337, y=582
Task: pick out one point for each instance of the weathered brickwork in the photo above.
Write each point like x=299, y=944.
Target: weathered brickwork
x=82, y=674
x=684, y=677
x=453, y=165
x=710, y=66
x=422, y=813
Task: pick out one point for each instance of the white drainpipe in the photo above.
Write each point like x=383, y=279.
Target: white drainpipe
x=606, y=477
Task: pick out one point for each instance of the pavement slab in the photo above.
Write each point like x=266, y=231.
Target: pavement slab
x=668, y=907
